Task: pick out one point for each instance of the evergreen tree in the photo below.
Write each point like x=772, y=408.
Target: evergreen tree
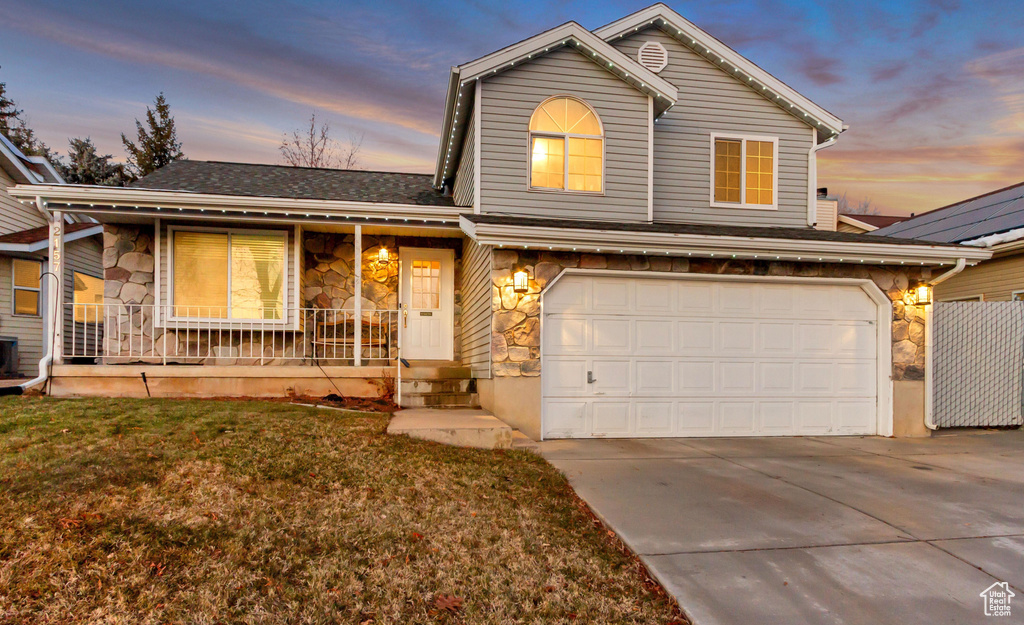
x=158, y=142
x=86, y=166
x=14, y=127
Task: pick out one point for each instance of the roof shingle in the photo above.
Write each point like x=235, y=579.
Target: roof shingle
x=991, y=213
x=307, y=183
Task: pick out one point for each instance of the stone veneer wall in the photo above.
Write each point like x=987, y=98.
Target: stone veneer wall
x=515, y=329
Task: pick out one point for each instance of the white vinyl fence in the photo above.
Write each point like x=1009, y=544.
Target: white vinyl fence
x=979, y=364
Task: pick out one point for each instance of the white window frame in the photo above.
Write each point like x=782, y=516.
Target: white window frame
x=74, y=304
x=226, y=321
x=743, y=139
x=565, y=149
x=38, y=290
x=1014, y=294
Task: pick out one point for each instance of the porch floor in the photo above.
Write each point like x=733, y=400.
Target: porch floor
x=462, y=427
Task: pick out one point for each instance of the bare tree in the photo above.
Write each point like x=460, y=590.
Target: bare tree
x=313, y=146
x=864, y=207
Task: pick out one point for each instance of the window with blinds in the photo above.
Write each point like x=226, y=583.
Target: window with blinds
x=26, y=284
x=228, y=275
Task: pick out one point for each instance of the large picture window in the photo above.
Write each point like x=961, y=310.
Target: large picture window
x=228, y=275
x=566, y=147
x=744, y=171
x=26, y=281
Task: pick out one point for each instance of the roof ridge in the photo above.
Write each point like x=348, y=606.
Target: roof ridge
x=335, y=169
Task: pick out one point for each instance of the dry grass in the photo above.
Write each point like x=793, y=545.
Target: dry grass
x=129, y=511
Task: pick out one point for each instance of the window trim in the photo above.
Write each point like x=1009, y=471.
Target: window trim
x=1015, y=293
x=38, y=290
x=171, y=317
x=743, y=139
x=565, y=163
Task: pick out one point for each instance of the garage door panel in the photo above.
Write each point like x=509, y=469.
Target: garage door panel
x=777, y=417
x=695, y=358
x=696, y=337
x=696, y=377
x=736, y=417
x=612, y=418
x=611, y=295
x=654, y=418
x=611, y=336
x=655, y=377
x=655, y=336
x=564, y=376
x=566, y=419
x=611, y=377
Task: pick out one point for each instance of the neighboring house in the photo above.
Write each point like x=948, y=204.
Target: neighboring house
x=618, y=241
x=24, y=241
x=866, y=223
x=994, y=222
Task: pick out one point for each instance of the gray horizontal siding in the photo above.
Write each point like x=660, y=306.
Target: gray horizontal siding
x=464, y=176
x=508, y=99
x=995, y=280
x=28, y=331
x=710, y=100
x=476, y=308
x=15, y=216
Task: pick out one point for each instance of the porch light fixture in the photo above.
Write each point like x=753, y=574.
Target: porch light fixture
x=520, y=281
x=383, y=256
x=919, y=294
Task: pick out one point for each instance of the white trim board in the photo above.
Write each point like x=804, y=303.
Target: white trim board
x=744, y=139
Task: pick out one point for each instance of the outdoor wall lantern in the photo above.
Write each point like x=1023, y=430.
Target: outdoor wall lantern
x=520, y=281
x=383, y=256
x=919, y=294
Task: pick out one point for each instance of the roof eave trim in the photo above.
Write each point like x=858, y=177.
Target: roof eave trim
x=853, y=221
x=77, y=198
x=443, y=150
x=702, y=245
x=38, y=246
x=692, y=35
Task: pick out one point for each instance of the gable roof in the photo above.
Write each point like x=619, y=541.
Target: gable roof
x=26, y=169
x=870, y=222
x=38, y=239
x=283, y=181
x=732, y=62
x=982, y=216
x=463, y=79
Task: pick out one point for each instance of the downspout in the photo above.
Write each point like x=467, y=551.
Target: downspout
x=47, y=359
x=812, y=178
x=929, y=370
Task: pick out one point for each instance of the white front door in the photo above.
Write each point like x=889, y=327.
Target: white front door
x=428, y=303
x=652, y=357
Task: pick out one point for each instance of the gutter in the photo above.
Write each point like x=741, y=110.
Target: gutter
x=812, y=178
x=929, y=372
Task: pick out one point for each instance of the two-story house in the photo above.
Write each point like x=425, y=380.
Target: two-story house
x=618, y=241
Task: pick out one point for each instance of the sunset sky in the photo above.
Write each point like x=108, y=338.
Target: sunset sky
x=933, y=90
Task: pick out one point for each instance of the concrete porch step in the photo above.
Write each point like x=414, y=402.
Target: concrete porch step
x=435, y=370
x=461, y=427
x=524, y=442
x=450, y=385
x=426, y=400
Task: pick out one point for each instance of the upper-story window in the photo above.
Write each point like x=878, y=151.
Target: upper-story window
x=566, y=147
x=744, y=171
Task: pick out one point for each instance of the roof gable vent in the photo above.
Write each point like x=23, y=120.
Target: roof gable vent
x=653, y=56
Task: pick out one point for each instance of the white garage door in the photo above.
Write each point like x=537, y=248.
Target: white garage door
x=636, y=357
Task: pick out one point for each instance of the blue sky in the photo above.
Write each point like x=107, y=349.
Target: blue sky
x=933, y=90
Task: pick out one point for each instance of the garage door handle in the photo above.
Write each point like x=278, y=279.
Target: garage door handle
x=590, y=377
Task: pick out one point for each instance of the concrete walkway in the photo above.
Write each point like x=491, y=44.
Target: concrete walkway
x=815, y=530
x=462, y=427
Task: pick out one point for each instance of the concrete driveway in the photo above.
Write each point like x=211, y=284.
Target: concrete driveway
x=815, y=530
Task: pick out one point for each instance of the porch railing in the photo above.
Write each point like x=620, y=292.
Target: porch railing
x=146, y=333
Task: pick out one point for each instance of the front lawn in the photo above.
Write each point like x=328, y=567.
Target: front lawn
x=132, y=511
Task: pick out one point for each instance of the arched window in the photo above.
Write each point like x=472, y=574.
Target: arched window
x=566, y=147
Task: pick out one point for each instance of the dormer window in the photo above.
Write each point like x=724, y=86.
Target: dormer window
x=566, y=147
x=744, y=171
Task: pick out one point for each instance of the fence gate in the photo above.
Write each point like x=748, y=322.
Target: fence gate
x=979, y=364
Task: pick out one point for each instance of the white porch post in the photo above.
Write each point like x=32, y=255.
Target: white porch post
x=55, y=287
x=357, y=263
